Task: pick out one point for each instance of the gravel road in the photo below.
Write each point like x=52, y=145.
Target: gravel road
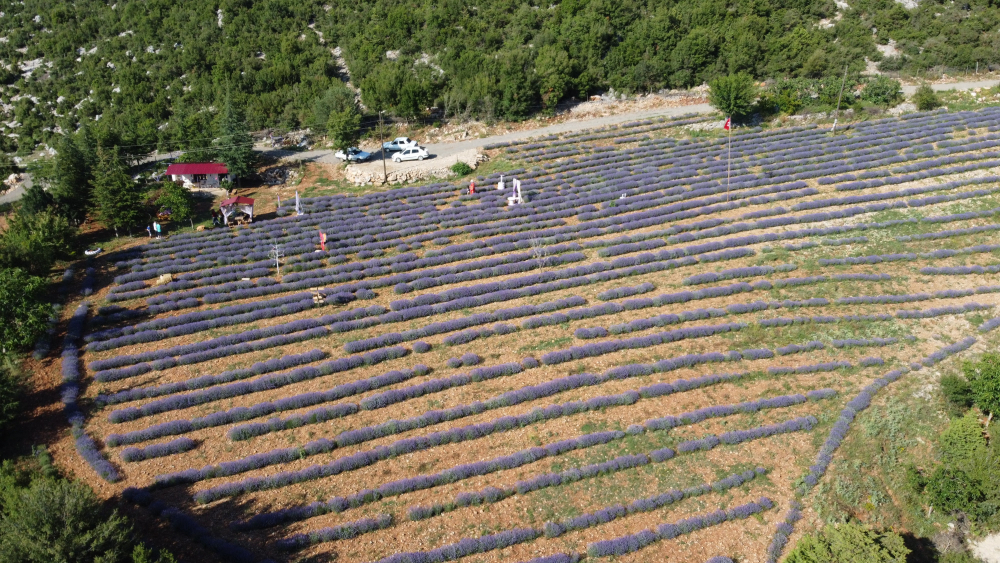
x=909, y=90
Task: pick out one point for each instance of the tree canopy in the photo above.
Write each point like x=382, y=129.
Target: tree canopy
x=23, y=307
x=119, y=200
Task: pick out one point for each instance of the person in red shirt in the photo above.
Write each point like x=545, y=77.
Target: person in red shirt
x=472, y=187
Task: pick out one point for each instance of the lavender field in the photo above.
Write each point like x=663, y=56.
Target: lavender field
x=644, y=361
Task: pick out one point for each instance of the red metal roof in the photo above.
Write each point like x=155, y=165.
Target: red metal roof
x=238, y=199
x=197, y=168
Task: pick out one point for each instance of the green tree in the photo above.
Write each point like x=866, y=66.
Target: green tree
x=553, y=68
x=179, y=200
x=342, y=117
x=35, y=242
x=925, y=98
x=380, y=88
x=70, y=185
x=849, y=542
x=56, y=521
x=119, y=200
x=332, y=99
x=23, y=307
x=882, y=91
x=733, y=94
x=35, y=200
x=7, y=166
x=984, y=378
x=235, y=147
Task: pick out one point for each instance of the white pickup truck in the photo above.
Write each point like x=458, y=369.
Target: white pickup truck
x=398, y=144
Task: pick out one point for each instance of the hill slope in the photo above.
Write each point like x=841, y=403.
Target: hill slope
x=154, y=71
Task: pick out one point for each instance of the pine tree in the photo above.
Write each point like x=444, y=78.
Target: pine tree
x=235, y=144
x=35, y=200
x=119, y=200
x=71, y=181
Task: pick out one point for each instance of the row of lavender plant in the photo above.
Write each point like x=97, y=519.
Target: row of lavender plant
x=70, y=393
x=494, y=494
x=552, y=529
x=270, y=381
x=666, y=531
x=200, y=382
x=409, y=445
x=339, y=504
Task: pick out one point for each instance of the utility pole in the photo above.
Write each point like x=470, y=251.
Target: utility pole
x=839, y=96
x=381, y=139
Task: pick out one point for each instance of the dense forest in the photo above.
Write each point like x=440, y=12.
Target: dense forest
x=155, y=72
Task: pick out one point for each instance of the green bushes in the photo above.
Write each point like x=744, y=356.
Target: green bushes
x=58, y=521
x=24, y=309
x=47, y=519
x=849, y=542
x=461, y=168
x=967, y=479
x=925, y=99
x=958, y=393
x=984, y=380
x=34, y=242
x=11, y=389
x=882, y=91
x=963, y=440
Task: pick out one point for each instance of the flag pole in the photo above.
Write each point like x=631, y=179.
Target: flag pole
x=729, y=158
x=836, y=112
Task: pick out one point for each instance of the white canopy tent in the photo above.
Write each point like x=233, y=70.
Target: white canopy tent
x=232, y=205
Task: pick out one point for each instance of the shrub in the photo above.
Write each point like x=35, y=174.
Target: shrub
x=925, y=98
x=461, y=168
x=56, y=520
x=11, y=388
x=963, y=440
x=954, y=489
x=882, y=91
x=849, y=542
x=958, y=393
x=984, y=380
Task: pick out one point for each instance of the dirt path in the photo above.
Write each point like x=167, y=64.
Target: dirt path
x=987, y=549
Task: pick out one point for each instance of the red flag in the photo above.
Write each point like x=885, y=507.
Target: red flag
x=322, y=241
x=726, y=126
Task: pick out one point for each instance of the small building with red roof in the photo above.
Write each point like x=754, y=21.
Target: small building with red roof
x=199, y=174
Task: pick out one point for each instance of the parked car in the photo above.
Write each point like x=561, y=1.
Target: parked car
x=416, y=153
x=398, y=144
x=354, y=154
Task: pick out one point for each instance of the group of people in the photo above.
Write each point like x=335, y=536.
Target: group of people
x=515, y=197
x=155, y=227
